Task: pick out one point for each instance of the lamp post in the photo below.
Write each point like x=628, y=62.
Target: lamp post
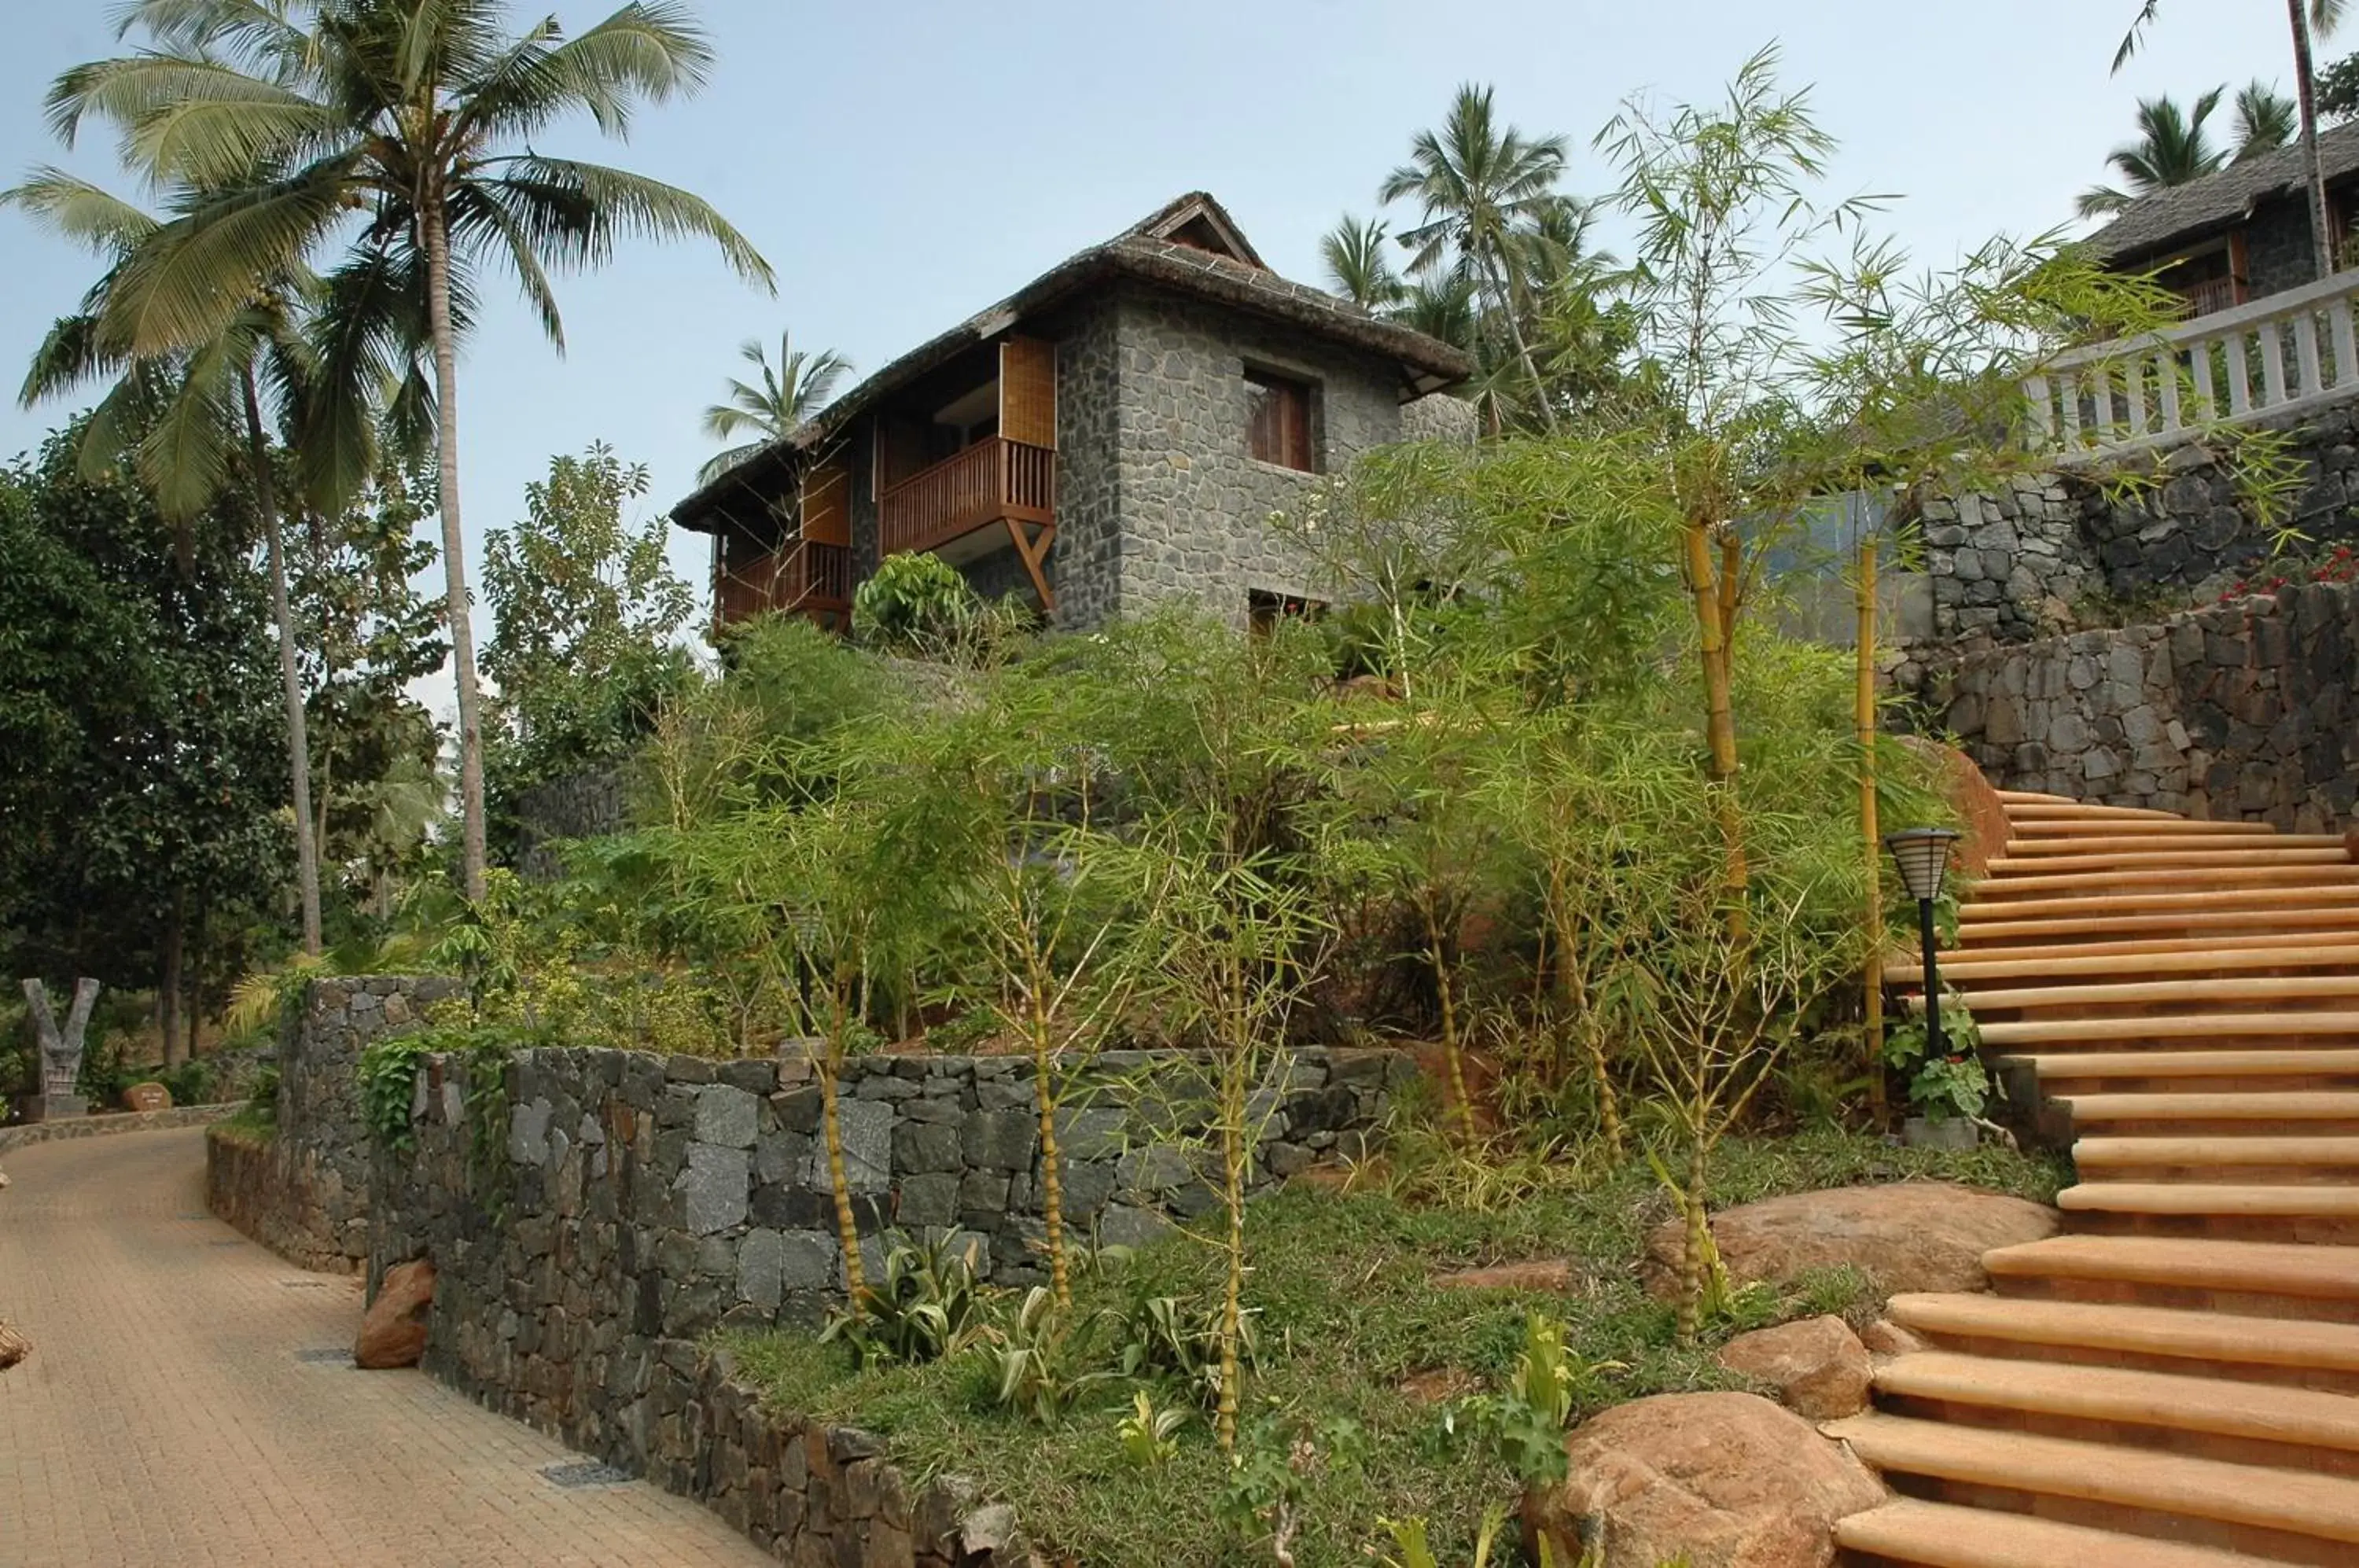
x=1923, y=856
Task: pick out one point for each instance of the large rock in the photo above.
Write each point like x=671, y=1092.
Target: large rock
x=1711, y=1480
x=1980, y=810
x=1912, y=1236
x=393, y=1330
x=1818, y=1366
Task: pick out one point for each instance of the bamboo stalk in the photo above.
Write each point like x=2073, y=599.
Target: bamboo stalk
x=1720, y=722
x=1232, y=1160
x=1872, y=978
x=1453, y=1059
x=1692, y=1263
x=1052, y=1187
x=847, y=1229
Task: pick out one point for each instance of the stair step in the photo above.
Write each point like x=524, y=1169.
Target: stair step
x=2160, y=1331
x=1940, y=1535
x=2273, y=1151
x=2182, y=878
x=2291, y=1201
x=2200, y=990
x=2300, y=1062
x=2175, y=1026
x=2043, y=846
x=1974, y=968
x=2259, y=1411
x=2257, y=1497
x=2261, y=1267
x=2277, y=919
x=2136, y=827
x=2056, y=808
x=2261, y=1105
x=2197, y=854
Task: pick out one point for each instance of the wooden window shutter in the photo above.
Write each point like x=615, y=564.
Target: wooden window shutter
x=1028, y=391
x=827, y=501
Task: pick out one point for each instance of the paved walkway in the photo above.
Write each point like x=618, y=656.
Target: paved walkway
x=171, y=1416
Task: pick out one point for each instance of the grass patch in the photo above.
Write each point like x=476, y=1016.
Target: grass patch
x=253, y=1124
x=1348, y=1316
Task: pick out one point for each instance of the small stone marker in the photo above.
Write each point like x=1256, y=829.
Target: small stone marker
x=146, y=1097
x=60, y=1051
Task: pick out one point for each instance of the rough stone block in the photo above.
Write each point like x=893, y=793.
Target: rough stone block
x=999, y=1140
x=726, y=1115
x=714, y=1187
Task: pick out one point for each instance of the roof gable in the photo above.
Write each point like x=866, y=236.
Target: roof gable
x=1200, y=222
x=2163, y=219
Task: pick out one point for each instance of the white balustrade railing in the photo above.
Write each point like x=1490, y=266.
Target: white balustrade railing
x=2266, y=357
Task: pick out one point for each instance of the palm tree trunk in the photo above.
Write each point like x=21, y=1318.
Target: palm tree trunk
x=2305, y=93
x=455, y=558
x=298, y=740
x=1523, y=349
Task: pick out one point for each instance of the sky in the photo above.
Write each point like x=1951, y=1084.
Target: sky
x=905, y=163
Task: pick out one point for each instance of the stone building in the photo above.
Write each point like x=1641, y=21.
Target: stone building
x=1114, y=434
x=2240, y=234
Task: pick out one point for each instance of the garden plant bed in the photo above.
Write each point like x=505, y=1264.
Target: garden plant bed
x=1356, y=1337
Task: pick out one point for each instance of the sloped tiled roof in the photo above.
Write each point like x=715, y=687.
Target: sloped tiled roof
x=2178, y=215
x=1234, y=276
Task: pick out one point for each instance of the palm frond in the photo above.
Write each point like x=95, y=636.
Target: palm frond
x=194, y=274
x=220, y=128
x=87, y=215
x=650, y=51
x=574, y=212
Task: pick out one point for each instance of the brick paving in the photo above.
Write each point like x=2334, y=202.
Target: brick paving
x=169, y=1414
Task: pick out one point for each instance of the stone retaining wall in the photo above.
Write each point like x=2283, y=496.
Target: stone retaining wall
x=109, y=1122
x=2043, y=554
x=624, y=1206
x=2243, y=710
x=304, y=1192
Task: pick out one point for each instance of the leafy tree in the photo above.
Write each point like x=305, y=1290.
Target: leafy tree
x=789, y=393
x=367, y=636
x=417, y=118
x=586, y=612
x=1357, y=267
x=2172, y=148
x=2308, y=22
x=204, y=413
x=139, y=734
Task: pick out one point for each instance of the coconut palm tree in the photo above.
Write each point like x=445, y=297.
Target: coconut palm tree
x=2266, y=120
x=2318, y=18
x=406, y=131
x=2172, y=148
x=797, y=388
x=188, y=419
x=1477, y=183
x=1357, y=267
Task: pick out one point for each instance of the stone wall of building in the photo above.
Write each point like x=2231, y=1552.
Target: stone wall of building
x=582, y=805
x=2243, y=710
x=1194, y=504
x=2058, y=552
x=1084, y=565
x=304, y=1192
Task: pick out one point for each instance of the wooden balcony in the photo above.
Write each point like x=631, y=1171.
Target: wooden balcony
x=994, y=482
x=800, y=577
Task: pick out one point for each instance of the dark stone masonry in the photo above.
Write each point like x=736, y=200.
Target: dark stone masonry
x=2242, y=710
x=2047, y=552
x=304, y=1192
x=618, y=1208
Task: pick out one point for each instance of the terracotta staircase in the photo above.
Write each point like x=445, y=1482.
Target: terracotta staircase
x=2173, y=1382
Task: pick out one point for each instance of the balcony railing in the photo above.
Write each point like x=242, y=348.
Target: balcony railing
x=800, y=576
x=2280, y=354
x=996, y=480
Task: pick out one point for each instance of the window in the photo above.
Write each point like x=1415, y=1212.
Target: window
x=1264, y=610
x=1278, y=420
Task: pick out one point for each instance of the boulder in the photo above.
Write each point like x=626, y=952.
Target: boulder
x=1711, y=1480
x=1910, y=1236
x=1885, y=1338
x=1556, y=1275
x=1980, y=811
x=146, y=1097
x=393, y=1330
x=1818, y=1366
